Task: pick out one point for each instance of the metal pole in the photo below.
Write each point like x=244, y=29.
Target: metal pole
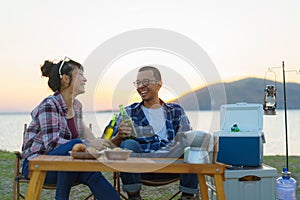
x=285, y=119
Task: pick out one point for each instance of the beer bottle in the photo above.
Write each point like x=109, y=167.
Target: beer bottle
x=109, y=129
x=128, y=121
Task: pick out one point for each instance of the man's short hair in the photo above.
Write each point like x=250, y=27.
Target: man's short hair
x=156, y=71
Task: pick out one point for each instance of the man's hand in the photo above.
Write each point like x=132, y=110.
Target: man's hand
x=124, y=131
x=100, y=144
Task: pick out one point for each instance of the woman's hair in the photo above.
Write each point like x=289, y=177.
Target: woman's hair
x=51, y=70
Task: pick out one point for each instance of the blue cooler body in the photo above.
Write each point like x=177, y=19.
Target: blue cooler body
x=243, y=148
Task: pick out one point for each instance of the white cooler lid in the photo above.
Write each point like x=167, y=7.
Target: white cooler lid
x=248, y=117
x=239, y=134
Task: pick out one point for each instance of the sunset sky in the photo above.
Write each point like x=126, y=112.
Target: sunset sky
x=242, y=39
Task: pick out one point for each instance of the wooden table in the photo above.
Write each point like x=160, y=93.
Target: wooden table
x=40, y=165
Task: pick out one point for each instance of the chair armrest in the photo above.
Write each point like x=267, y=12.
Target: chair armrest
x=18, y=154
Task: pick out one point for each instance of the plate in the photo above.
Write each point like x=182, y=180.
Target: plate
x=85, y=155
x=117, y=154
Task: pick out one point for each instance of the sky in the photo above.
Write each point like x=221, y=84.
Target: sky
x=241, y=38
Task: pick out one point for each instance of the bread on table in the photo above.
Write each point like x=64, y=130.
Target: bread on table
x=79, y=148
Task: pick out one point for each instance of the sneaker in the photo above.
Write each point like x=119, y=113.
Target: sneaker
x=135, y=198
x=186, y=196
x=134, y=195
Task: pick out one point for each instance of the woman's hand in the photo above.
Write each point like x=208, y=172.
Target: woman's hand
x=100, y=144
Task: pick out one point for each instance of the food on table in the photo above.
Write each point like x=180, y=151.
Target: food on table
x=79, y=148
x=92, y=150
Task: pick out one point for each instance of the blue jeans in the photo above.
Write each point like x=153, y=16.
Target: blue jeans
x=132, y=181
x=97, y=183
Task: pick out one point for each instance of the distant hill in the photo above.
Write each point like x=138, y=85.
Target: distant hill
x=250, y=90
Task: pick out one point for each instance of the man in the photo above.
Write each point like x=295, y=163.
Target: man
x=166, y=119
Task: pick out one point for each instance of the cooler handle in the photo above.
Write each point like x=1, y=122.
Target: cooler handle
x=263, y=138
x=249, y=178
x=241, y=103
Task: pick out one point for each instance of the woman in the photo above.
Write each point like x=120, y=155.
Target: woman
x=57, y=126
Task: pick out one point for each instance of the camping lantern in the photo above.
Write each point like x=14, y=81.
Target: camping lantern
x=270, y=100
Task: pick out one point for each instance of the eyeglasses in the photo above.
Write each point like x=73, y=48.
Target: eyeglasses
x=66, y=59
x=144, y=82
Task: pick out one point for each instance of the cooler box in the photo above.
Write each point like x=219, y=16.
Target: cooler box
x=248, y=184
x=244, y=148
x=257, y=183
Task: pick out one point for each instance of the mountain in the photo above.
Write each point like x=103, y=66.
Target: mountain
x=250, y=90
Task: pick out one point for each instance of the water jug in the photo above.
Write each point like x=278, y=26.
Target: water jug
x=285, y=186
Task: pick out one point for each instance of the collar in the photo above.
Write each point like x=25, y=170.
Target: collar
x=163, y=104
x=57, y=95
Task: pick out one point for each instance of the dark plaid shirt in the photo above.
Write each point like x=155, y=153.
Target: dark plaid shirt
x=49, y=127
x=176, y=121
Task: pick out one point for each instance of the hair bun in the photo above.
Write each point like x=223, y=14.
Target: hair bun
x=46, y=68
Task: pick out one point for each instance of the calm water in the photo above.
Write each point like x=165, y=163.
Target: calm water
x=11, y=127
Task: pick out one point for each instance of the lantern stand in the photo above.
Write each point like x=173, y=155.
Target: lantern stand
x=285, y=119
x=285, y=109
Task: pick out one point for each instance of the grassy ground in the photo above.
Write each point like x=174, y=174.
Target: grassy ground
x=149, y=193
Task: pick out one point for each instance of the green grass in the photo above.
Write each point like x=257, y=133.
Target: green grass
x=163, y=192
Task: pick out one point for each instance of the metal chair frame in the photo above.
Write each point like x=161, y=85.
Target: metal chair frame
x=117, y=184
x=20, y=179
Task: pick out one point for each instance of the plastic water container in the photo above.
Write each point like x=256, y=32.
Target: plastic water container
x=285, y=186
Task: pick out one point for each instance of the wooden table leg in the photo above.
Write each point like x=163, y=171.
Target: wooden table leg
x=203, y=187
x=35, y=185
x=219, y=186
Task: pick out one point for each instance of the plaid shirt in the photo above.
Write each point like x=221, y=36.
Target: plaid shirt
x=176, y=121
x=49, y=127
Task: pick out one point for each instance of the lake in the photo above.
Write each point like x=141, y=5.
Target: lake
x=11, y=128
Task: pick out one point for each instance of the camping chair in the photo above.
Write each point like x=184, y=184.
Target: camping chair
x=209, y=182
x=155, y=183
x=20, y=179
